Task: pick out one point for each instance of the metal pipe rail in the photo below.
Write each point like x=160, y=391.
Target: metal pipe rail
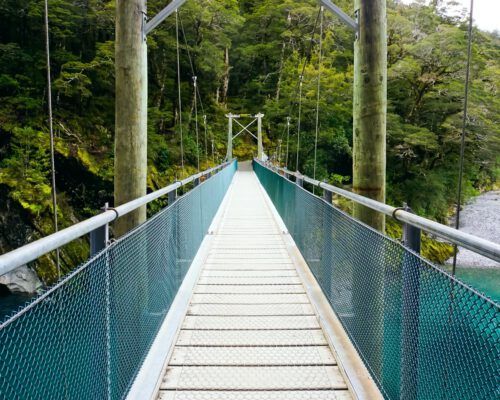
x=476, y=244
x=31, y=251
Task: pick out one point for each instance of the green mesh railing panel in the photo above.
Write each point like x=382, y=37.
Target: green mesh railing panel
x=87, y=337
x=421, y=333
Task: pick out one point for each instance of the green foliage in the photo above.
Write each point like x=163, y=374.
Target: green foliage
x=432, y=249
x=267, y=42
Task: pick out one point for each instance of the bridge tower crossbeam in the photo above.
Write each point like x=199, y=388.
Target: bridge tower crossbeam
x=245, y=128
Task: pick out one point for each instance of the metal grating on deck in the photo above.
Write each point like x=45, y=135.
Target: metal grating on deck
x=250, y=331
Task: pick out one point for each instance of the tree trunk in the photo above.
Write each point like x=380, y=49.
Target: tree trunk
x=131, y=110
x=280, y=72
x=225, y=85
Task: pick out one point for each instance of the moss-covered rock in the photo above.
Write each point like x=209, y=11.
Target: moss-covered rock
x=432, y=249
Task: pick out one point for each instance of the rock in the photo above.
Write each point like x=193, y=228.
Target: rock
x=480, y=217
x=21, y=280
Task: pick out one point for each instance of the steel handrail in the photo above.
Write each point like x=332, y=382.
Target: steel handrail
x=31, y=251
x=474, y=243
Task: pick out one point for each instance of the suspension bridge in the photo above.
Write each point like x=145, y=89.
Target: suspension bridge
x=250, y=284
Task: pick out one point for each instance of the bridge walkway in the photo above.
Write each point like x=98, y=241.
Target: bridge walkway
x=251, y=331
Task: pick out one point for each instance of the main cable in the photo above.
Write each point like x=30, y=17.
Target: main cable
x=299, y=122
x=462, y=140
x=179, y=86
x=51, y=130
x=320, y=60
x=196, y=123
x=287, y=139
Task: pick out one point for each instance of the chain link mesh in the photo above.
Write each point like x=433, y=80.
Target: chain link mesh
x=421, y=333
x=87, y=337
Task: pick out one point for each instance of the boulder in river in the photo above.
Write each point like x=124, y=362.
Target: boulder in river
x=21, y=280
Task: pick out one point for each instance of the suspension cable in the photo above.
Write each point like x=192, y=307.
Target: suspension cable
x=287, y=139
x=298, y=122
x=464, y=126
x=191, y=64
x=179, y=85
x=54, y=193
x=206, y=142
x=196, y=122
x=320, y=61
x=299, y=83
x=51, y=130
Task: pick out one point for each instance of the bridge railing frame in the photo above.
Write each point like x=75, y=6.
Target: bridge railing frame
x=474, y=243
x=95, y=226
x=399, y=309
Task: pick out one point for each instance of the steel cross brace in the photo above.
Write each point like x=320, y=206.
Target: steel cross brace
x=245, y=128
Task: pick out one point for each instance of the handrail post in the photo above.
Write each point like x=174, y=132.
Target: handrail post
x=411, y=234
x=410, y=312
x=260, y=147
x=327, y=196
x=99, y=237
x=299, y=179
x=172, y=196
x=99, y=240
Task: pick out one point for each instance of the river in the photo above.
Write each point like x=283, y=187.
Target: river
x=11, y=302
x=480, y=217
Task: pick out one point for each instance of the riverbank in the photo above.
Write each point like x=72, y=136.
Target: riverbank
x=480, y=217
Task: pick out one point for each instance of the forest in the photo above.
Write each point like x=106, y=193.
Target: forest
x=247, y=56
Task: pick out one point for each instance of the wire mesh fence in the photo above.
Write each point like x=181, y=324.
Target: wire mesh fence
x=87, y=337
x=421, y=333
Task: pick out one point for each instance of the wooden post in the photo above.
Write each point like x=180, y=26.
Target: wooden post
x=370, y=108
x=131, y=110
x=260, y=147
x=229, y=155
x=369, y=132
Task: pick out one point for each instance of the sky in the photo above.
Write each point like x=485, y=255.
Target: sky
x=486, y=13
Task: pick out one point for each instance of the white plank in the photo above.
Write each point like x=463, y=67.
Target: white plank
x=252, y=356
x=248, y=274
x=250, y=289
x=249, y=299
x=251, y=338
x=250, y=309
x=251, y=395
x=256, y=323
x=249, y=281
x=253, y=378
x=248, y=267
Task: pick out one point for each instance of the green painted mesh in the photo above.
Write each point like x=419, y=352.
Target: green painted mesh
x=87, y=337
x=421, y=333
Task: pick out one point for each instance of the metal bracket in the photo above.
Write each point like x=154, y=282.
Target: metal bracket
x=346, y=19
x=356, y=17
x=163, y=14
x=144, y=23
